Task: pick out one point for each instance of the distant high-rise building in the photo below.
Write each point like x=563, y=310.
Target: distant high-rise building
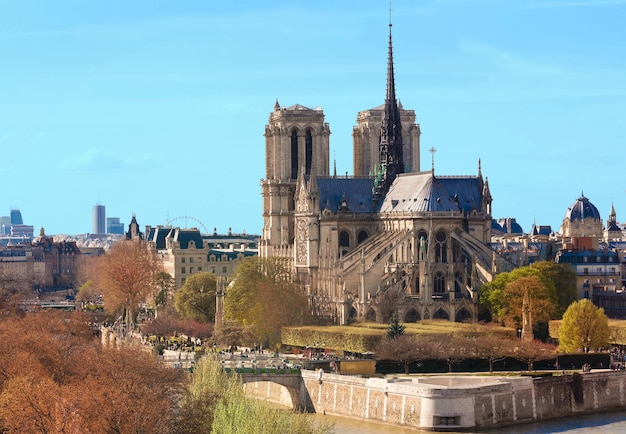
x=16, y=217
x=114, y=226
x=98, y=219
x=5, y=225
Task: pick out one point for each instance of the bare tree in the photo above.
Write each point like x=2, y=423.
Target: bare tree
x=533, y=351
x=407, y=349
x=492, y=348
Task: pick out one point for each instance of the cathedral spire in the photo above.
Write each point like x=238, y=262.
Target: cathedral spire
x=390, y=142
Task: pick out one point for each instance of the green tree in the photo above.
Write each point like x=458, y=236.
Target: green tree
x=217, y=403
x=196, y=298
x=563, y=276
x=505, y=296
x=264, y=294
x=395, y=327
x=584, y=327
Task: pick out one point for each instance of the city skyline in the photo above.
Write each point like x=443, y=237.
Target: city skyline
x=159, y=109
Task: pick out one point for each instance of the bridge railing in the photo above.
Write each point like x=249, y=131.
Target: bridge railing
x=259, y=371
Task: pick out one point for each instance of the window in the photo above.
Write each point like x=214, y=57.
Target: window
x=182, y=270
x=441, y=247
x=199, y=268
x=224, y=269
x=190, y=270
x=294, y=154
x=182, y=260
x=191, y=260
x=439, y=283
x=308, y=152
x=344, y=242
x=199, y=258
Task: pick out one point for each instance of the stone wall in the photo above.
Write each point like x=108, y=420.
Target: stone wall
x=452, y=402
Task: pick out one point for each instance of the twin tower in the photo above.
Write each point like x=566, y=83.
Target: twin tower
x=386, y=142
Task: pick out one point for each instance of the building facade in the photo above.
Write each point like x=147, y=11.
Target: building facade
x=185, y=252
x=391, y=238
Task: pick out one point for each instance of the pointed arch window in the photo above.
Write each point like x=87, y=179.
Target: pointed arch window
x=439, y=282
x=441, y=247
x=422, y=238
x=294, y=154
x=344, y=242
x=308, y=141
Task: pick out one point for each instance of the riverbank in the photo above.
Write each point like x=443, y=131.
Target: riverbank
x=456, y=403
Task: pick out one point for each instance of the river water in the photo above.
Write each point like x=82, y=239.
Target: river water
x=604, y=423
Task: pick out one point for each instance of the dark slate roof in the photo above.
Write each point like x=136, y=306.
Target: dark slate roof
x=298, y=107
x=356, y=191
x=541, y=230
x=184, y=236
x=510, y=226
x=495, y=226
x=232, y=254
x=581, y=210
x=588, y=257
x=612, y=226
x=158, y=235
x=424, y=192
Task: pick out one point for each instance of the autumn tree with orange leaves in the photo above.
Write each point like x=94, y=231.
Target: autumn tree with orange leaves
x=56, y=377
x=127, y=277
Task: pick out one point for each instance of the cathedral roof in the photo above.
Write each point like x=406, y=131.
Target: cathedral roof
x=582, y=209
x=298, y=107
x=423, y=192
x=357, y=193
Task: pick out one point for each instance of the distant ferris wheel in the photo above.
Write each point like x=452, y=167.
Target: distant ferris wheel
x=185, y=218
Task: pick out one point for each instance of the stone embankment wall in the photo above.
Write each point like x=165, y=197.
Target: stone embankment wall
x=453, y=402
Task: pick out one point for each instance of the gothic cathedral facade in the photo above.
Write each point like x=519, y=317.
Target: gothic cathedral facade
x=388, y=239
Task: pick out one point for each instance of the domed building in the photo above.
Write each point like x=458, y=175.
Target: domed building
x=582, y=219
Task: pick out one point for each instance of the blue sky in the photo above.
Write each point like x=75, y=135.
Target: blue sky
x=158, y=108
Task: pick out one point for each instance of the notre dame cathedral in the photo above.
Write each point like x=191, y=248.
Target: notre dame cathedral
x=390, y=238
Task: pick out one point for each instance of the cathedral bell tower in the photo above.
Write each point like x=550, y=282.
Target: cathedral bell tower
x=296, y=144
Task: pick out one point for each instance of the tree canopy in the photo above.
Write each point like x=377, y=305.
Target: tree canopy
x=264, y=294
x=563, y=276
x=504, y=296
x=196, y=298
x=584, y=327
x=58, y=378
x=126, y=277
x=408, y=349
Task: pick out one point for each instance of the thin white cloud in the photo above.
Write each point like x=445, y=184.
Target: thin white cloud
x=507, y=60
x=105, y=160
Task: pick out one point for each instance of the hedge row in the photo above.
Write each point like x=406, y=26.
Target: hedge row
x=340, y=338
x=366, y=337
